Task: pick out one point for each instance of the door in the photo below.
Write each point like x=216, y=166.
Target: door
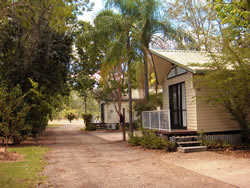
x=102, y=113
x=177, y=105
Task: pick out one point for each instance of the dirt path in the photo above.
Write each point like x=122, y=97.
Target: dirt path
x=84, y=160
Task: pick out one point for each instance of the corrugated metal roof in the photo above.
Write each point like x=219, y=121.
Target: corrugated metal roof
x=183, y=58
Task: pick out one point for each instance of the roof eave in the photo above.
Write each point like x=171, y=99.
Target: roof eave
x=172, y=61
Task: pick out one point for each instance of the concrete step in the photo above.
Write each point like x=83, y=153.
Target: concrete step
x=192, y=149
x=185, y=137
x=189, y=142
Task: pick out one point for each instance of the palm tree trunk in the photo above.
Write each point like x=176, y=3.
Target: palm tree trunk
x=146, y=85
x=129, y=83
x=130, y=99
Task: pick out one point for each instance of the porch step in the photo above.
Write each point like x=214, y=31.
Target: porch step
x=185, y=137
x=192, y=149
x=189, y=142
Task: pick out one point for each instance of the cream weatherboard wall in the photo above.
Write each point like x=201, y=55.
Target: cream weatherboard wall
x=190, y=97
x=200, y=115
x=211, y=118
x=111, y=116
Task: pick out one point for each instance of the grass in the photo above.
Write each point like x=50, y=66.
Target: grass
x=26, y=173
x=54, y=125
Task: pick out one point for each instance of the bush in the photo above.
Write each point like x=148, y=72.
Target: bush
x=90, y=127
x=70, y=116
x=87, y=118
x=150, y=141
x=143, y=105
x=134, y=140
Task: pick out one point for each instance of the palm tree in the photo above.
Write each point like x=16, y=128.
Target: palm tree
x=149, y=26
x=128, y=11
x=121, y=50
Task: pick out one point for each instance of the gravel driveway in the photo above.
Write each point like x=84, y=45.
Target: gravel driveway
x=81, y=159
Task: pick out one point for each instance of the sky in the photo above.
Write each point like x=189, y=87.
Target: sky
x=89, y=16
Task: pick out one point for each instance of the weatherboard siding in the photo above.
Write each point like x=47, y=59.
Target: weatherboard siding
x=211, y=118
x=190, y=98
x=111, y=116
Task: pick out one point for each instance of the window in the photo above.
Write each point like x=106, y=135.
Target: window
x=171, y=73
x=176, y=71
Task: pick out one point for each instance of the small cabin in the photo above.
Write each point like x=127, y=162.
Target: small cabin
x=182, y=111
x=110, y=117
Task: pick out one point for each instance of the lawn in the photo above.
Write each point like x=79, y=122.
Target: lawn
x=26, y=173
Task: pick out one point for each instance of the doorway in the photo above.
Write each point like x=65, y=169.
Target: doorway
x=177, y=105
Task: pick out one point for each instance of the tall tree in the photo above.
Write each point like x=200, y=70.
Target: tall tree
x=151, y=23
x=35, y=43
x=197, y=19
x=128, y=13
x=228, y=75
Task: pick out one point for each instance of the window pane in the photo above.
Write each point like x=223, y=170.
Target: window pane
x=184, y=116
x=171, y=73
x=180, y=70
x=183, y=90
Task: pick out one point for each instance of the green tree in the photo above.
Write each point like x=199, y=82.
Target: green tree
x=127, y=44
x=36, y=43
x=197, y=19
x=228, y=75
x=13, y=112
x=90, y=46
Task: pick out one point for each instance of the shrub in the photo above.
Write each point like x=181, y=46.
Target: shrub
x=70, y=116
x=216, y=144
x=134, y=140
x=150, y=141
x=143, y=105
x=87, y=118
x=90, y=127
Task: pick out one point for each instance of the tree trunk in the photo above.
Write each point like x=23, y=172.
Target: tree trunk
x=6, y=147
x=85, y=104
x=16, y=140
x=123, y=126
x=130, y=100
x=146, y=85
x=129, y=84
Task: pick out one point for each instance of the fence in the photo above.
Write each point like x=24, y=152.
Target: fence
x=157, y=120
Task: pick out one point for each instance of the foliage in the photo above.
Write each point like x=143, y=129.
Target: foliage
x=74, y=103
x=90, y=127
x=143, y=105
x=156, y=99
x=150, y=141
x=70, y=116
x=90, y=54
x=13, y=114
x=235, y=13
x=216, y=144
x=197, y=19
x=40, y=111
x=35, y=44
x=13, y=174
x=134, y=140
x=151, y=24
x=87, y=118
x=227, y=76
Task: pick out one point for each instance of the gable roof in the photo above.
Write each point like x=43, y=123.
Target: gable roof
x=183, y=58
x=164, y=60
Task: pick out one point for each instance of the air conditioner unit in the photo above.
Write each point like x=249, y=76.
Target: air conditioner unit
x=111, y=127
